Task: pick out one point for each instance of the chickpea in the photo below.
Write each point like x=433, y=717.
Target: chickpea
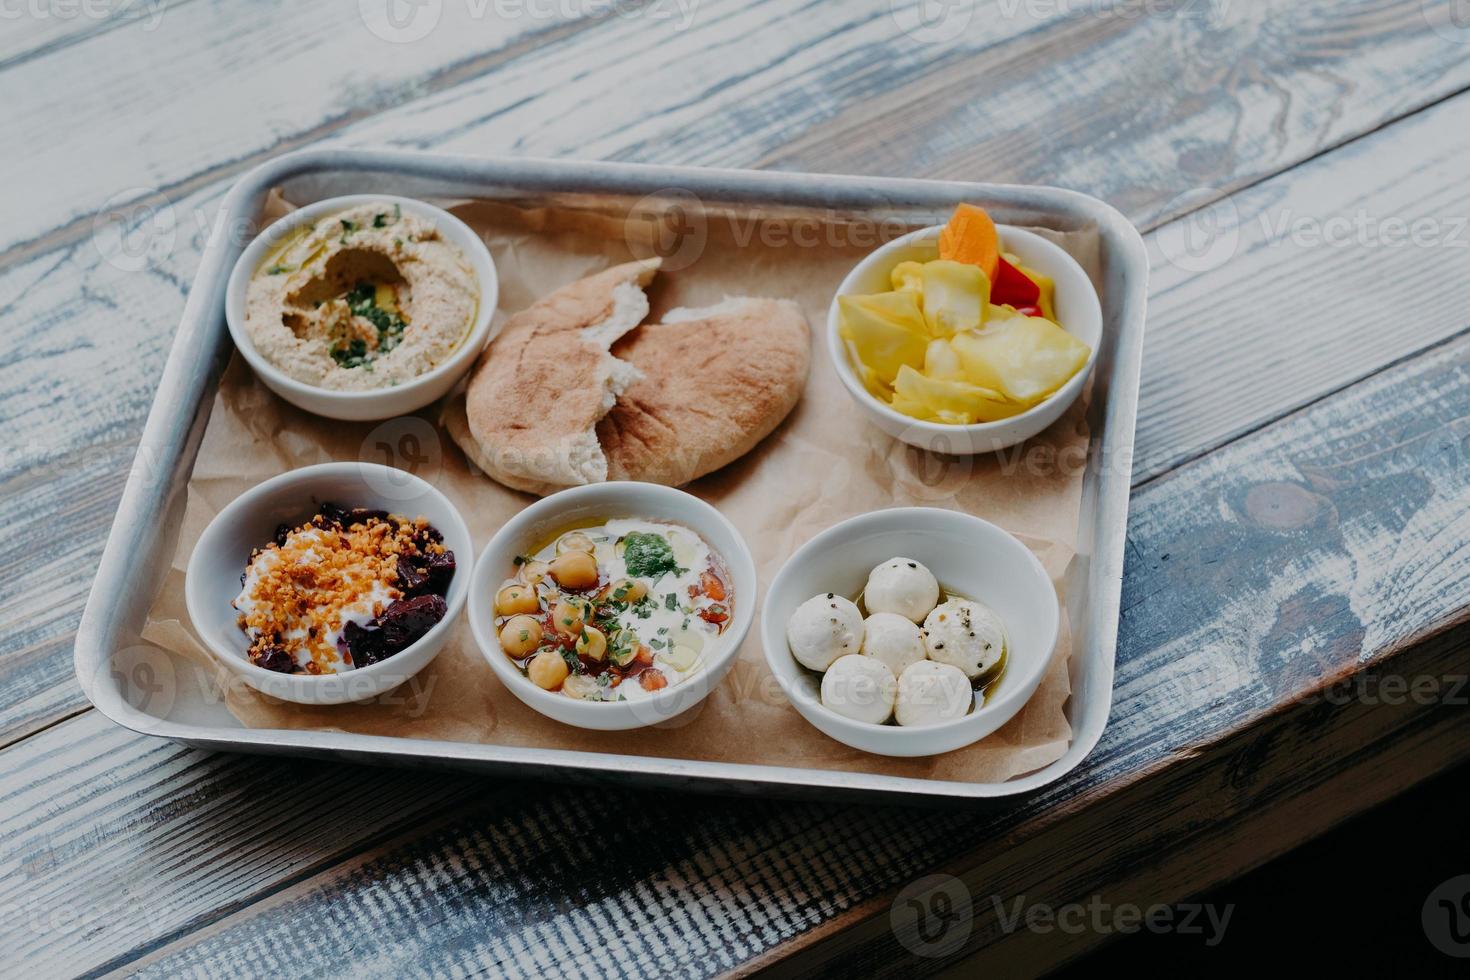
x=592, y=644
x=582, y=687
x=568, y=615
x=534, y=572
x=575, y=570
x=520, y=635
x=627, y=590
x=547, y=670
x=574, y=541
x=515, y=599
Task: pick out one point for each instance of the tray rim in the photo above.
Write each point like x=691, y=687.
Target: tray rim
x=190, y=369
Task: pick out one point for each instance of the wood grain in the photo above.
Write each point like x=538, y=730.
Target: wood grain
x=1262, y=574
x=1283, y=293
x=1301, y=552
x=1199, y=98
x=117, y=324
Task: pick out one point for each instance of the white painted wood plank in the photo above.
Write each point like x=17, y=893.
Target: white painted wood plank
x=31, y=29
x=214, y=83
x=1145, y=106
x=1279, y=295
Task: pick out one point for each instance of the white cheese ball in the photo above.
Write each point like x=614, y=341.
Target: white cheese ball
x=892, y=639
x=901, y=586
x=824, y=628
x=860, y=688
x=929, y=693
x=965, y=633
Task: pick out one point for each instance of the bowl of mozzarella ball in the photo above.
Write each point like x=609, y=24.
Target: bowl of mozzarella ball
x=911, y=631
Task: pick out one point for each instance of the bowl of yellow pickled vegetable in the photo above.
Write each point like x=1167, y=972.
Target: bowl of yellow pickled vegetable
x=965, y=337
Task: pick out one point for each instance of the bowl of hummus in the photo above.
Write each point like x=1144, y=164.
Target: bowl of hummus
x=363, y=307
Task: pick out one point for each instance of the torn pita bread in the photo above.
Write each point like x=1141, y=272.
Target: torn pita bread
x=548, y=407
x=713, y=383
x=537, y=393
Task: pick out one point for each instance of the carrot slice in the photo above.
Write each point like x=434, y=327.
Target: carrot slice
x=970, y=237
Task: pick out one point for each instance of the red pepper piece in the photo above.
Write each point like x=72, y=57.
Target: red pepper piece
x=1012, y=287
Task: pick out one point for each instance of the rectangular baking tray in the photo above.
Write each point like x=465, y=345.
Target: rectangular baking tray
x=143, y=537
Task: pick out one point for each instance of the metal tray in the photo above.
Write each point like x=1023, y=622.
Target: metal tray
x=141, y=544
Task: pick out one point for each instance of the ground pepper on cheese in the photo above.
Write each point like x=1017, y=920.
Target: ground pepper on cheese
x=300, y=592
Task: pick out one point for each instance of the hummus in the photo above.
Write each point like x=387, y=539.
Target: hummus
x=365, y=298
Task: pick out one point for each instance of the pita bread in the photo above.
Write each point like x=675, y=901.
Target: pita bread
x=538, y=391
x=713, y=383
x=548, y=407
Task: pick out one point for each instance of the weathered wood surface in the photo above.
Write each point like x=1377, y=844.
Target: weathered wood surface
x=134, y=272
x=1265, y=578
x=1310, y=562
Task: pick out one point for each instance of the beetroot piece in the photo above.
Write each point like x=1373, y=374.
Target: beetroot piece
x=426, y=574
x=400, y=626
x=274, y=658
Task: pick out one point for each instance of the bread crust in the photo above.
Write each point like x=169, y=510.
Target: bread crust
x=714, y=383
x=537, y=442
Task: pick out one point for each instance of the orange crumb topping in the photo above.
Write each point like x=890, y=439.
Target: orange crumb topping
x=299, y=595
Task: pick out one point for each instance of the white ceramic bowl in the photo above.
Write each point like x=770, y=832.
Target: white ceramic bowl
x=530, y=529
x=250, y=520
x=1077, y=308
x=382, y=403
x=969, y=556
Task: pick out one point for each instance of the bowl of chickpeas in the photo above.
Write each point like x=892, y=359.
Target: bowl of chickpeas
x=613, y=606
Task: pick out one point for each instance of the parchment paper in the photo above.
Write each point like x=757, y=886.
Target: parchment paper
x=824, y=464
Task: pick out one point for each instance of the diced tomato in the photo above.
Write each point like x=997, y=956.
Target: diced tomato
x=712, y=586
x=645, y=656
x=1012, y=287
x=714, y=613
x=653, y=680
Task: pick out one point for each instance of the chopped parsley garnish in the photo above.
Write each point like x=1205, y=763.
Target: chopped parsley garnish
x=362, y=301
x=348, y=227
x=671, y=601
x=648, y=555
x=657, y=644
x=280, y=269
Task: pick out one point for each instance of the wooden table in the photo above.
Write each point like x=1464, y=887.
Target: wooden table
x=1293, y=644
